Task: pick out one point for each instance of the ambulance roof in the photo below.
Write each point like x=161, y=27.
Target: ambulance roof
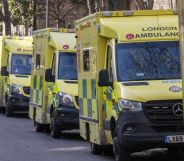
x=62, y=41
x=135, y=25
x=18, y=44
x=59, y=38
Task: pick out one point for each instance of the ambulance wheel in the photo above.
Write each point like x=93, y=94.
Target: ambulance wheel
x=121, y=154
x=38, y=127
x=96, y=149
x=108, y=150
x=47, y=129
x=55, y=130
x=8, y=111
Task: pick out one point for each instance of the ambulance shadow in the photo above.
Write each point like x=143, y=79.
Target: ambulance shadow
x=15, y=115
x=71, y=135
x=157, y=155
x=20, y=115
x=2, y=110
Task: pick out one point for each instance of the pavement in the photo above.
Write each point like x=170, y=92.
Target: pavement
x=20, y=142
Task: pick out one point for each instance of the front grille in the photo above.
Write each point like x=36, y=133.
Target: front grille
x=161, y=112
x=77, y=100
x=26, y=90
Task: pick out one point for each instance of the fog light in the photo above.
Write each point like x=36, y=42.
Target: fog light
x=129, y=129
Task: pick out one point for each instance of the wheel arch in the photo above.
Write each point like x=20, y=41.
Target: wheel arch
x=113, y=126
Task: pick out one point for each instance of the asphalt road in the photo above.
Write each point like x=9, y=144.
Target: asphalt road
x=19, y=142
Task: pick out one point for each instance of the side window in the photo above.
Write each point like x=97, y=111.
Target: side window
x=54, y=64
x=38, y=57
x=86, y=60
x=109, y=61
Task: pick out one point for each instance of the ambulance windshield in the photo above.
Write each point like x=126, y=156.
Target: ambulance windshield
x=148, y=61
x=21, y=64
x=67, y=68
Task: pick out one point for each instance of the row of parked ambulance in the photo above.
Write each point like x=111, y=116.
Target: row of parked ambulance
x=117, y=77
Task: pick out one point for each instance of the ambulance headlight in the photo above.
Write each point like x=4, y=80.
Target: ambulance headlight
x=127, y=105
x=15, y=89
x=64, y=99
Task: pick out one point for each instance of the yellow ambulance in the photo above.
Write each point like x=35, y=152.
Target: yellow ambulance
x=180, y=9
x=130, y=92
x=54, y=86
x=15, y=62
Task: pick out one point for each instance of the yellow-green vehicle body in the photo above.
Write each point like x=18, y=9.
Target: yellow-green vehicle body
x=54, y=51
x=180, y=9
x=15, y=61
x=129, y=79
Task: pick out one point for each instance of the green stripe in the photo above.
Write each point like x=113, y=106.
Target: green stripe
x=37, y=96
x=81, y=106
x=93, y=88
x=31, y=95
x=41, y=82
x=89, y=108
x=84, y=85
x=34, y=82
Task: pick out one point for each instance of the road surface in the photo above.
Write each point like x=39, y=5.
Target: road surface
x=19, y=142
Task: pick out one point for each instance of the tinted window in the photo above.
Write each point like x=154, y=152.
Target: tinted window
x=67, y=66
x=148, y=61
x=21, y=64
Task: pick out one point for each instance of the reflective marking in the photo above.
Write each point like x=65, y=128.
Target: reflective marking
x=37, y=96
x=89, y=108
x=93, y=89
x=34, y=82
x=41, y=82
x=84, y=85
x=31, y=95
x=81, y=106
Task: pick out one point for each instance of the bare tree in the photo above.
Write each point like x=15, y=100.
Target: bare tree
x=61, y=13
x=101, y=5
x=59, y=10
x=145, y=4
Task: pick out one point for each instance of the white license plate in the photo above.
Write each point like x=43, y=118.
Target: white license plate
x=174, y=139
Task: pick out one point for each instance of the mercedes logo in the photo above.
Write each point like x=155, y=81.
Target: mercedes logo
x=178, y=109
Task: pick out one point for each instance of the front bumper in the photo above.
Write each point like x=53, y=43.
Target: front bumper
x=19, y=102
x=136, y=132
x=67, y=118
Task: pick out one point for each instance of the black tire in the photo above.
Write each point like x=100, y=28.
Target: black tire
x=121, y=154
x=8, y=109
x=55, y=130
x=47, y=129
x=38, y=127
x=108, y=150
x=96, y=149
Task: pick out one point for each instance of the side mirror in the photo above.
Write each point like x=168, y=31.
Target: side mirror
x=4, y=71
x=48, y=76
x=104, y=79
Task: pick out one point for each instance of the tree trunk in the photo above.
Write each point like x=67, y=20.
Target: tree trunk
x=34, y=15
x=101, y=5
x=91, y=6
x=145, y=4
x=7, y=19
x=122, y=5
x=26, y=29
